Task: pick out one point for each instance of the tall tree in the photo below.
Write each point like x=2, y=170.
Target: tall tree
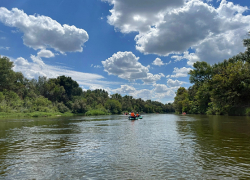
x=8, y=77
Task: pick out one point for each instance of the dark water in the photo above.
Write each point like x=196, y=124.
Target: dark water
x=113, y=147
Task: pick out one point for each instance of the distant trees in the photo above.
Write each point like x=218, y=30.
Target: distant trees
x=63, y=94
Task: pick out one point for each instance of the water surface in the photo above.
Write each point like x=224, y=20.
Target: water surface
x=158, y=146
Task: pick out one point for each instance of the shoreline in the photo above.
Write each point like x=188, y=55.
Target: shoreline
x=36, y=114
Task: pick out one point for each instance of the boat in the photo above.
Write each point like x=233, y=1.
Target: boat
x=133, y=118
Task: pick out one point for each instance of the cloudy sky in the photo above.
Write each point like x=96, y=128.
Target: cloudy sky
x=142, y=48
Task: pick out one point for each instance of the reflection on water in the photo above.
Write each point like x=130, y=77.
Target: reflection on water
x=112, y=147
x=222, y=144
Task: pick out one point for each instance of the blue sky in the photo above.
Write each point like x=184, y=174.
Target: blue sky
x=141, y=48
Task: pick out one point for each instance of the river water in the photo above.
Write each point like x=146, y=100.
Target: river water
x=159, y=146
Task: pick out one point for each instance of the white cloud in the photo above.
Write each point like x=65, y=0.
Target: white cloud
x=126, y=66
x=180, y=72
x=221, y=47
x=214, y=34
x=162, y=91
x=158, y=62
x=21, y=62
x=41, y=32
x=5, y=48
x=39, y=68
x=192, y=58
x=181, y=29
x=139, y=15
x=174, y=83
x=125, y=89
x=144, y=94
x=95, y=66
x=45, y=53
x=161, y=88
x=158, y=92
x=151, y=78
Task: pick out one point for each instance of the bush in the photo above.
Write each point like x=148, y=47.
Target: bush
x=62, y=108
x=248, y=111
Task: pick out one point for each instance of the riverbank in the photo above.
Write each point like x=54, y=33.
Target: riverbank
x=36, y=114
x=51, y=114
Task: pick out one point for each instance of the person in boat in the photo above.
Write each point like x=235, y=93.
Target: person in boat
x=132, y=114
x=137, y=114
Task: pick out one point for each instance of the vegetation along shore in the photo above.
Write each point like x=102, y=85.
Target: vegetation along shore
x=62, y=96
x=221, y=89
x=218, y=89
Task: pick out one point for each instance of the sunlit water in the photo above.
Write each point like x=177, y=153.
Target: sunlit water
x=112, y=147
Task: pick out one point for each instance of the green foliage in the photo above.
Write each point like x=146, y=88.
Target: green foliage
x=248, y=111
x=221, y=89
x=202, y=73
x=181, y=100
x=62, y=108
x=114, y=106
x=1, y=97
x=43, y=96
x=79, y=106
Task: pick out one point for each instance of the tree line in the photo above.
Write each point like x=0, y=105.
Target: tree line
x=221, y=89
x=63, y=94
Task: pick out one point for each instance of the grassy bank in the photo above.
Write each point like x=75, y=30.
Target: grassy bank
x=35, y=114
x=94, y=112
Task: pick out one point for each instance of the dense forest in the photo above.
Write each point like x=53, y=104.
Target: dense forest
x=62, y=94
x=221, y=89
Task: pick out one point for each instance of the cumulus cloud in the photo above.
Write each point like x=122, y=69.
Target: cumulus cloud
x=181, y=72
x=174, y=83
x=144, y=94
x=192, y=57
x=159, y=92
x=41, y=32
x=181, y=29
x=214, y=34
x=158, y=62
x=162, y=91
x=151, y=78
x=21, y=62
x=138, y=15
x=45, y=53
x=126, y=66
x=125, y=89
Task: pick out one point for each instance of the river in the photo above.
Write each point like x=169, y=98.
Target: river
x=159, y=146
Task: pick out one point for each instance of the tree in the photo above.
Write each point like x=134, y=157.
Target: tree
x=231, y=88
x=114, y=106
x=202, y=73
x=9, y=79
x=181, y=100
x=71, y=87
